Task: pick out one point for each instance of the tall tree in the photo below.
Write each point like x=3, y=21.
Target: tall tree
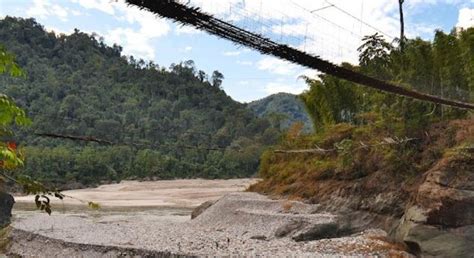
x=402, y=25
x=217, y=78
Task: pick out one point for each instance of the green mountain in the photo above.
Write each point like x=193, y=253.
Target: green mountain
x=162, y=122
x=284, y=109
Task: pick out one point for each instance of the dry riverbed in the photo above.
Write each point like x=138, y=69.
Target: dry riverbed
x=153, y=219
x=183, y=193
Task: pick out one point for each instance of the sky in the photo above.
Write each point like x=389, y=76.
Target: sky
x=331, y=29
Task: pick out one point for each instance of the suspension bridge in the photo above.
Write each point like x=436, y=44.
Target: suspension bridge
x=193, y=16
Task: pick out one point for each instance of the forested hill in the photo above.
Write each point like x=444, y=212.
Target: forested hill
x=165, y=122
x=284, y=109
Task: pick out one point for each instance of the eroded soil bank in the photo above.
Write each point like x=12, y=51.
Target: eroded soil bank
x=427, y=204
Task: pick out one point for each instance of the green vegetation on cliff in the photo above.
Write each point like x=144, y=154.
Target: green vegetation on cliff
x=382, y=161
x=165, y=123
x=362, y=134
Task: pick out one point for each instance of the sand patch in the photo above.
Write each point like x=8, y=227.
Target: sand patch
x=183, y=193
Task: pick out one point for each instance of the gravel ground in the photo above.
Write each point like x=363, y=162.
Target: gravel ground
x=239, y=224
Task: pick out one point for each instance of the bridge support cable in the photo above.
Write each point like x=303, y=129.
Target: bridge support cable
x=187, y=15
x=79, y=138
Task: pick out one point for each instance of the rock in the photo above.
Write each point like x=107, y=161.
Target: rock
x=290, y=228
x=6, y=205
x=201, y=208
x=439, y=221
x=259, y=237
x=320, y=231
x=432, y=241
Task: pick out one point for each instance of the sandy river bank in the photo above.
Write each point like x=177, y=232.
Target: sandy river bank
x=152, y=219
x=183, y=193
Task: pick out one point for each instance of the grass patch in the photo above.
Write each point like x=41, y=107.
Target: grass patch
x=5, y=239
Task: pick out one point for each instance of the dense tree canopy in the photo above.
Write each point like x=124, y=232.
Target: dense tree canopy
x=164, y=123
x=444, y=67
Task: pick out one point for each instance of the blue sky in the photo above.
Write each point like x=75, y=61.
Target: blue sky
x=333, y=32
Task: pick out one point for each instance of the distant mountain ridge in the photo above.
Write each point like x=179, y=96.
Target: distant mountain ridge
x=287, y=107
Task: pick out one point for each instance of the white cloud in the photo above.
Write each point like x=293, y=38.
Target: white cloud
x=231, y=53
x=415, y=3
x=60, y=12
x=276, y=87
x=101, y=5
x=44, y=8
x=76, y=12
x=133, y=42
x=150, y=25
x=246, y=63
x=310, y=73
x=187, y=49
x=466, y=18
x=39, y=9
x=58, y=31
x=136, y=42
x=277, y=66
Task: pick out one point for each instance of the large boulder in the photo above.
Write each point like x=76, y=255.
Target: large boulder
x=439, y=220
x=201, y=208
x=6, y=205
x=290, y=228
x=318, y=231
